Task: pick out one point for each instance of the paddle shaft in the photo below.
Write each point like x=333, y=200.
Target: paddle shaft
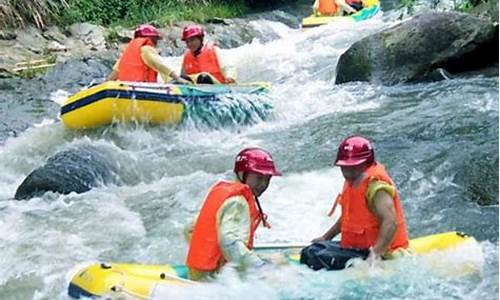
x=277, y=246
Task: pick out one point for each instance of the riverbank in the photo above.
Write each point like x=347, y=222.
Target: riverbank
x=29, y=51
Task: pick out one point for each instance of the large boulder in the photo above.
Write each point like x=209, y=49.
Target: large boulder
x=414, y=49
x=73, y=170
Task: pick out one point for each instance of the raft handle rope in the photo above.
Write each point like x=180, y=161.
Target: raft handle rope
x=121, y=289
x=263, y=216
x=174, y=277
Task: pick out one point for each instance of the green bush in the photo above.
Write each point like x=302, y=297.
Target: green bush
x=160, y=12
x=19, y=13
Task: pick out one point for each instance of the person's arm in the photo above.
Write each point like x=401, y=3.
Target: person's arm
x=383, y=208
x=153, y=60
x=233, y=224
x=346, y=7
x=188, y=229
x=114, y=72
x=228, y=70
x=316, y=7
x=331, y=233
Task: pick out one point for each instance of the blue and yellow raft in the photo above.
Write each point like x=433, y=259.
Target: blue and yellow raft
x=151, y=103
x=370, y=9
x=140, y=281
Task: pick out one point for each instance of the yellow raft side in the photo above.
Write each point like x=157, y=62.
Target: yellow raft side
x=313, y=20
x=140, y=281
x=106, y=110
x=438, y=242
x=426, y=244
x=131, y=279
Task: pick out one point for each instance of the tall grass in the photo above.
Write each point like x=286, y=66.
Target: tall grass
x=19, y=13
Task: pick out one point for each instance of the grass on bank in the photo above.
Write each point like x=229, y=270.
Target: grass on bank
x=19, y=13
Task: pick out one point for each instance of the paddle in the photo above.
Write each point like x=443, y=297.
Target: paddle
x=278, y=246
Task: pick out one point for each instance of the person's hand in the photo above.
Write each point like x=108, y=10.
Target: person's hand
x=230, y=80
x=373, y=258
x=318, y=239
x=184, y=81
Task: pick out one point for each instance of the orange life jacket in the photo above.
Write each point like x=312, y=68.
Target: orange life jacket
x=327, y=7
x=204, y=252
x=131, y=66
x=360, y=227
x=205, y=61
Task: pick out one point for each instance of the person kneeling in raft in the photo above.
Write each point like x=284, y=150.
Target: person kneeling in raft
x=140, y=60
x=202, y=63
x=372, y=220
x=224, y=229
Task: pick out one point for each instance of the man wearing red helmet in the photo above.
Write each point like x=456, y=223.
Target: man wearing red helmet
x=224, y=229
x=141, y=62
x=202, y=62
x=372, y=221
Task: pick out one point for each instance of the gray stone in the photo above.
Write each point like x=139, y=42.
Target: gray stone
x=91, y=35
x=74, y=170
x=412, y=50
x=54, y=46
x=7, y=35
x=54, y=33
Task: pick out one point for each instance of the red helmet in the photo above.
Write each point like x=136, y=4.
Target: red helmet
x=146, y=30
x=354, y=151
x=255, y=160
x=191, y=31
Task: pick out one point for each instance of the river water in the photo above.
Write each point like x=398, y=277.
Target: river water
x=438, y=140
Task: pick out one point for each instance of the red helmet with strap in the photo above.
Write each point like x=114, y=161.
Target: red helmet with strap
x=191, y=31
x=146, y=30
x=255, y=160
x=353, y=151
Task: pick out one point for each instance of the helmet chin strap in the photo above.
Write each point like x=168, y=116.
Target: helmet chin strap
x=198, y=51
x=263, y=216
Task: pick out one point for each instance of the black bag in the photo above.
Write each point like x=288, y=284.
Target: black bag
x=329, y=255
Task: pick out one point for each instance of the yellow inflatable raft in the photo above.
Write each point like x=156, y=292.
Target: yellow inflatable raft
x=371, y=8
x=152, y=103
x=141, y=281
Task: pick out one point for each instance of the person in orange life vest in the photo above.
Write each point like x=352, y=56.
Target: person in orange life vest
x=141, y=62
x=372, y=216
x=230, y=215
x=202, y=62
x=336, y=7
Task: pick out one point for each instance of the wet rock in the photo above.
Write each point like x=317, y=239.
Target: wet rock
x=31, y=39
x=73, y=74
x=91, y=35
x=412, y=50
x=74, y=170
x=486, y=9
x=7, y=35
x=54, y=46
x=54, y=33
x=479, y=178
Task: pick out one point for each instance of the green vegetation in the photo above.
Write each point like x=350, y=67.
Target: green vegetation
x=35, y=68
x=459, y=5
x=467, y=5
x=18, y=13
